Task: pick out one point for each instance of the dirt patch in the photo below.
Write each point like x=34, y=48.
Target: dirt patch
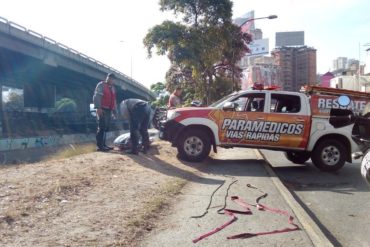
x=95, y=199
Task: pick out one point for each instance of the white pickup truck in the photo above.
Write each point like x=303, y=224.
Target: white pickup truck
x=294, y=122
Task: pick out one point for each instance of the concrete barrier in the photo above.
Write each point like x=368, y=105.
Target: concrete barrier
x=24, y=150
x=11, y=144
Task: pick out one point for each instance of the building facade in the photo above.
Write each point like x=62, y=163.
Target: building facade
x=297, y=66
x=367, y=63
x=340, y=63
x=325, y=79
x=346, y=66
x=355, y=82
x=261, y=70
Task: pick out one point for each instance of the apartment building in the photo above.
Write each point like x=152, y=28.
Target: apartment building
x=297, y=66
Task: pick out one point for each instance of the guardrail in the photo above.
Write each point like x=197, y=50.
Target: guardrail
x=35, y=38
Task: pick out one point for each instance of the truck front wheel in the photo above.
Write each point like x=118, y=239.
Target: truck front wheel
x=329, y=155
x=194, y=145
x=365, y=166
x=297, y=157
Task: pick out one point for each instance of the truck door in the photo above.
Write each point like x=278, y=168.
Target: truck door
x=288, y=120
x=235, y=127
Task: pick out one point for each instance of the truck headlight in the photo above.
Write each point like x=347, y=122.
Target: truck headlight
x=172, y=114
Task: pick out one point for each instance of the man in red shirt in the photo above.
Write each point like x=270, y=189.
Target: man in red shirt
x=105, y=104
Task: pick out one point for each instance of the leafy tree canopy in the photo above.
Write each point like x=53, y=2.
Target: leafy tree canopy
x=203, y=49
x=203, y=12
x=158, y=88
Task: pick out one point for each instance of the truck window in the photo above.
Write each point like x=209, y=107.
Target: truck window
x=282, y=103
x=250, y=102
x=240, y=103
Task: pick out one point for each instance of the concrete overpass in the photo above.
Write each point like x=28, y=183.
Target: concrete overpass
x=46, y=71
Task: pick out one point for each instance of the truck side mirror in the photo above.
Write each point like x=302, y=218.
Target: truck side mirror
x=229, y=106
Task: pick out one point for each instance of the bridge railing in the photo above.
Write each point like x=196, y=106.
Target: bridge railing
x=35, y=38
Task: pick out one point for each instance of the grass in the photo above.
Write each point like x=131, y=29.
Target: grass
x=72, y=150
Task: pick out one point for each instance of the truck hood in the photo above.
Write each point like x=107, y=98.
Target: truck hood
x=195, y=109
x=190, y=112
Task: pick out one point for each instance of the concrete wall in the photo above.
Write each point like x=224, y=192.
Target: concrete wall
x=21, y=150
x=49, y=141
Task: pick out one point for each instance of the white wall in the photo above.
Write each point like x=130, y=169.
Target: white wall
x=351, y=83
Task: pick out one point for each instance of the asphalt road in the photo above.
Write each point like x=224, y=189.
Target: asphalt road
x=177, y=228
x=338, y=202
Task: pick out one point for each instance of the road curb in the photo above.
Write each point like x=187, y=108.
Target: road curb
x=317, y=237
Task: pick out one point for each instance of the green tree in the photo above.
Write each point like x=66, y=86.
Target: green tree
x=203, y=49
x=161, y=101
x=158, y=88
x=65, y=105
x=14, y=102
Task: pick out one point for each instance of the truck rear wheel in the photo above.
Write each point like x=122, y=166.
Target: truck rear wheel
x=297, y=157
x=329, y=155
x=194, y=145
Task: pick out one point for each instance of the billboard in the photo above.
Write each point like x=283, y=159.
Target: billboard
x=259, y=47
x=290, y=38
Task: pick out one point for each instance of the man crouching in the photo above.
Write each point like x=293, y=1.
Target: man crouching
x=137, y=112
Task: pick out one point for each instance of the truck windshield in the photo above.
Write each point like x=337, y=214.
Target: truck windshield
x=219, y=103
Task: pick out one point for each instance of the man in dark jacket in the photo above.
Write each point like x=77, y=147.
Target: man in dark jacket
x=138, y=113
x=105, y=104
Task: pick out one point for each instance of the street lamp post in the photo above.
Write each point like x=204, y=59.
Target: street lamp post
x=258, y=18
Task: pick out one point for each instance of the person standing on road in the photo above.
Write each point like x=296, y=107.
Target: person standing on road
x=175, y=100
x=137, y=111
x=105, y=104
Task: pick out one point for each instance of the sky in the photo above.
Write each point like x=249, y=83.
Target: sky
x=112, y=31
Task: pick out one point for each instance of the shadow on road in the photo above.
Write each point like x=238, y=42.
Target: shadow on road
x=234, y=167
x=200, y=172
x=308, y=178
x=153, y=162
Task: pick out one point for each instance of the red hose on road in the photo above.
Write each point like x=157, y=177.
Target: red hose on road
x=228, y=212
x=231, y=213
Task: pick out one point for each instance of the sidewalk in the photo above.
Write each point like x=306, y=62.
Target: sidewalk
x=247, y=167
